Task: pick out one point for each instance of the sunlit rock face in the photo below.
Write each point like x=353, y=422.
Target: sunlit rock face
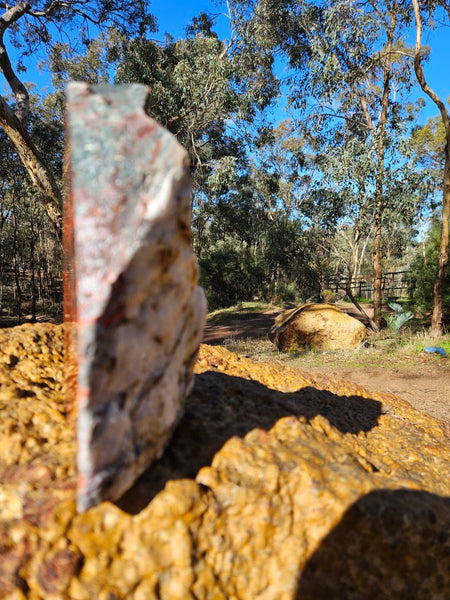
x=274, y=485
x=316, y=326
x=132, y=291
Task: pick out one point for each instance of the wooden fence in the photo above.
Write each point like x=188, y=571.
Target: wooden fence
x=395, y=285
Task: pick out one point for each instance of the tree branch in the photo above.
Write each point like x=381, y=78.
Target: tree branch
x=364, y=106
x=374, y=5
x=34, y=164
x=19, y=90
x=55, y=5
x=418, y=68
x=10, y=16
x=345, y=118
x=194, y=105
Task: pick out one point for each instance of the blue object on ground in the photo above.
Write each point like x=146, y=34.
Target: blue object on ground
x=436, y=349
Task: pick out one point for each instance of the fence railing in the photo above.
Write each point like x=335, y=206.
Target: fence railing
x=394, y=285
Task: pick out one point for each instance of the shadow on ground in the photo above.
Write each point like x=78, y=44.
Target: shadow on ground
x=222, y=406
x=389, y=544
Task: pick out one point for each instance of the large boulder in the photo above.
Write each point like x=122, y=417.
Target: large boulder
x=274, y=486
x=316, y=326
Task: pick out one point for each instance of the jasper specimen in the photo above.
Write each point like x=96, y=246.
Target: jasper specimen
x=131, y=285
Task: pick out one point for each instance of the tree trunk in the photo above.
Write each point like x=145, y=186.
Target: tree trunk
x=38, y=170
x=379, y=141
x=376, y=256
x=380, y=152
x=14, y=122
x=33, y=273
x=436, y=319
x=16, y=267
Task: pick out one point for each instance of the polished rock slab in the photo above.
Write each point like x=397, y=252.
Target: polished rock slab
x=132, y=298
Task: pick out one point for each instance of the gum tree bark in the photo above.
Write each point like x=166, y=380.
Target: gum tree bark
x=14, y=124
x=436, y=319
x=38, y=170
x=378, y=135
x=34, y=24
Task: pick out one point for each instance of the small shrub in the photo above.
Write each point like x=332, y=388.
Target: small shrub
x=286, y=293
x=329, y=297
x=400, y=318
x=229, y=274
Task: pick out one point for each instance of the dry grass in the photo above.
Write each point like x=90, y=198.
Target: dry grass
x=222, y=316
x=383, y=349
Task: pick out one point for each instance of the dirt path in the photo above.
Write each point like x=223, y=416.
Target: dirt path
x=425, y=385
x=423, y=380
x=248, y=325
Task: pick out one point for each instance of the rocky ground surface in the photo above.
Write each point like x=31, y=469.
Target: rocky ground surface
x=274, y=486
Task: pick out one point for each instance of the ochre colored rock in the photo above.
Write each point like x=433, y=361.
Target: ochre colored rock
x=274, y=486
x=316, y=326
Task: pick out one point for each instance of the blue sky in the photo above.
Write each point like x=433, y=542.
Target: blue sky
x=174, y=15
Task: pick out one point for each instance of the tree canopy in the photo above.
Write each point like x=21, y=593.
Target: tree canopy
x=32, y=25
x=307, y=159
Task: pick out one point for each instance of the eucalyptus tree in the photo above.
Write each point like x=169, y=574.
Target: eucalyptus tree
x=30, y=255
x=340, y=201
x=212, y=97
x=255, y=217
x=204, y=91
x=346, y=62
x=428, y=144
x=426, y=16
x=27, y=28
x=191, y=94
x=423, y=269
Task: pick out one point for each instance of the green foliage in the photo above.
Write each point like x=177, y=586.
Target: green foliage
x=91, y=66
x=400, y=317
x=446, y=346
x=277, y=265
x=423, y=271
x=329, y=297
x=229, y=273
x=427, y=145
x=42, y=22
x=255, y=218
x=204, y=92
